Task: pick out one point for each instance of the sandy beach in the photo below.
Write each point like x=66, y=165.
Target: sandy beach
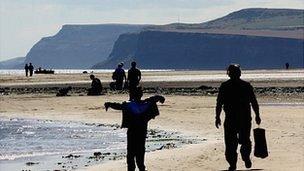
x=190, y=115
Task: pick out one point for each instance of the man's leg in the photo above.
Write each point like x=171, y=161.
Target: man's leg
x=89, y=92
x=131, y=150
x=231, y=143
x=119, y=84
x=140, y=151
x=244, y=140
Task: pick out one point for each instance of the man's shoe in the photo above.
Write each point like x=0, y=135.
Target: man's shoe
x=248, y=163
x=232, y=168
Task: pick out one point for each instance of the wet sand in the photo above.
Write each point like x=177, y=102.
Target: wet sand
x=191, y=115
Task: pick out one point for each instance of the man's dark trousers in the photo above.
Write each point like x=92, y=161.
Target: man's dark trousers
x=119, y=84
x=136, y=148
x=237, y=133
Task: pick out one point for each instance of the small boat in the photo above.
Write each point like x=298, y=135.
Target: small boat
x=44, y=71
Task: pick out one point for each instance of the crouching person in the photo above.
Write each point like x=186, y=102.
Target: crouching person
x=136, y=114
x=96, y=86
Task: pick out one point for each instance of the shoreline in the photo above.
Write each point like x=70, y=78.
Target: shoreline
x=188, y=109
x=157, y=140
x=189, y=115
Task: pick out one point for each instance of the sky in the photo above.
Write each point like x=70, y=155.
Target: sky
x=24, y=22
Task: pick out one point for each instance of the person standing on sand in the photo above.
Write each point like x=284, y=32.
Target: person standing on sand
x=26, y=68
x=134, y=76
x=119, y=76
x=236, y=96
x=136, y=114
x=31, y=69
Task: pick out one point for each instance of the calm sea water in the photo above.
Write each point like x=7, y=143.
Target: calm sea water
x=66, y=71
x=47, y=142
x=26, y=137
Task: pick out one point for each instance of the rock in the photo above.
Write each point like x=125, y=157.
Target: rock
x=167, y=146
x=203, y=87
x=71, y=156
x=97, y=154
x=31, y=163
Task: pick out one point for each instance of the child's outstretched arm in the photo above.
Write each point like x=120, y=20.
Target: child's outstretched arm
x=116, y=106
x=156, y=98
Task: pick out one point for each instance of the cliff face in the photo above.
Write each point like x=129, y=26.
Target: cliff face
x=247, y=19
x=259, y=18
x=124, y=50
x=15, y=63
x=174, y=50
x=287, y=23
x=255, y=38
x=77, y=46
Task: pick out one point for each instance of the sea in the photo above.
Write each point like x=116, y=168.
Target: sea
x=33, y=144
x=190, y=75
x=72, y=71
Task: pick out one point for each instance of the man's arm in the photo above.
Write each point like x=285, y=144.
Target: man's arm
x=255, y=106
x=139, y=75
x=218, y=108
x=124, y=75
x=128, y=77
x=116, y=106
x=156, y=98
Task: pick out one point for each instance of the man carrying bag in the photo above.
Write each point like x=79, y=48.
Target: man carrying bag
x=236, y=96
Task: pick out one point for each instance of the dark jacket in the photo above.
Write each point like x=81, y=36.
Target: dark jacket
x=138, y=114
x=236, y=96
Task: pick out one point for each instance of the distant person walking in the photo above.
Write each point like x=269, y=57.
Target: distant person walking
x=31, y=69
x=134, y=76
x=26, y=68
x=236, y=96
x=119, y=76
x=287, y=65
x=136, y=114
x=96, y=86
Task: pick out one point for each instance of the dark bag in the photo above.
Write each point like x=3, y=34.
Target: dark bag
x=260, y=146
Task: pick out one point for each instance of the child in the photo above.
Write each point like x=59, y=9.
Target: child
x=136, y=115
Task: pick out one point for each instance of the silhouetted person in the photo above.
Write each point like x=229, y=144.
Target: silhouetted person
x=26, y=68
x=136, y=115
x=287, y=65
x=236, y=96
x=31, y=69
x=96, y=86
x=134, y=76
x=119, y=76
x=64, y=91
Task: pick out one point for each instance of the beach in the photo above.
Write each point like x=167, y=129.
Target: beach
x=188, y=110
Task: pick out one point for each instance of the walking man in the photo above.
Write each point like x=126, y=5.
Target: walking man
x=134, y=76
x=26, y=68
x=31, y=69
x=236, y=95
